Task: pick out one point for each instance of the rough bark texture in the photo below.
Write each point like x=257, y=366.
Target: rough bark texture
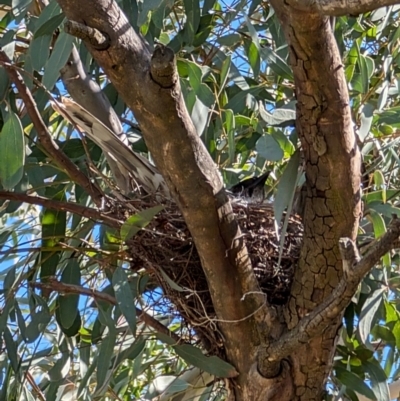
x=333, y=204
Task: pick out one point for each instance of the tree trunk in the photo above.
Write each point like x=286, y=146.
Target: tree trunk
x=333, y=206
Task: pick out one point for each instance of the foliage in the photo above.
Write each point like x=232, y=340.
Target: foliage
x=238, y=88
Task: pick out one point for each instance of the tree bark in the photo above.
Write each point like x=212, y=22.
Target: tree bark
x=333, y=206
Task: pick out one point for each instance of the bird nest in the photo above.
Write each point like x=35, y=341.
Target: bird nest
x=167, y=252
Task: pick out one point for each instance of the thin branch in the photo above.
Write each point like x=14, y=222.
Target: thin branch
x=354, y=270
x=99, y=40
x=58, y=156
x=340, y=7
x=65, y=206
x=54, y=285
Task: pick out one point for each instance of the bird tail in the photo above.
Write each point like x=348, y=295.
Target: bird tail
x=122, y=159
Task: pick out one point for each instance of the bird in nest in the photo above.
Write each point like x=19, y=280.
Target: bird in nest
x=251, y=190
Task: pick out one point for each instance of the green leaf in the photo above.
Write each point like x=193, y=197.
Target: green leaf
x=76, y=325
x=239, y=102
x=269, y=149
x=138, y=221
x=378, y=380
x=364, y=79
x=252, y=32
x=230, y=39
x=8, y=307
x=86, y=378
x=354, y=382
x=20, y=320
x=110, y=238
x=380, y=184
x=11, y=348
x=212, y=364
x=286, y=187
x=53, y=231
x=279, y=117
x=284, y=142
x=61, y=368
x=165, y=338
x=192, y=11
x=392, y=315
x=194, y=73
x=59, y=56
x=390, y=116
x=68, y=304
x=149, y=5
x=366, y=118
x=124, y=297
x=230, y=130
x=276, y=63
x=199, y=114
x=384, y=333
x=253, y=50
x=131, y=352
x=4, y=84
x=225, y=69
x=166, y=385
x=170, y=282
x=379, y=229
x=12, y=152
x=131, y=11
x=367, y=315
x=106, y=352
x=205, y=95
x=9, y=282
x=39, y=320
x=50, y=26
x=50, y=11
x=254, y=59
x=39, y=51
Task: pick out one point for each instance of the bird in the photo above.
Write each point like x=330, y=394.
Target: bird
x=122, y=159
x=251, y=189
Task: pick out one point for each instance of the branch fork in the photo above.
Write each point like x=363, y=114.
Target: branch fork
x=354, y=270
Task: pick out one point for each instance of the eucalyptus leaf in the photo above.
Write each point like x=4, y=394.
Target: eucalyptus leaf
x=12, y=152
x=212, y=364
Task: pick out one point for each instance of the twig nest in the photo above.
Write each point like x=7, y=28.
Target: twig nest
x=166, y=250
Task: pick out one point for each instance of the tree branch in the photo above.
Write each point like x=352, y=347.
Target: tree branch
x=97, y=39
x=340, y=7
x=58, y=156
x=87, y=212
x=54, y=285
x=354, y=270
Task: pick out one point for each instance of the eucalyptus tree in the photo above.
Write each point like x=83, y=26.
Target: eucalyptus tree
x=129, y=271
